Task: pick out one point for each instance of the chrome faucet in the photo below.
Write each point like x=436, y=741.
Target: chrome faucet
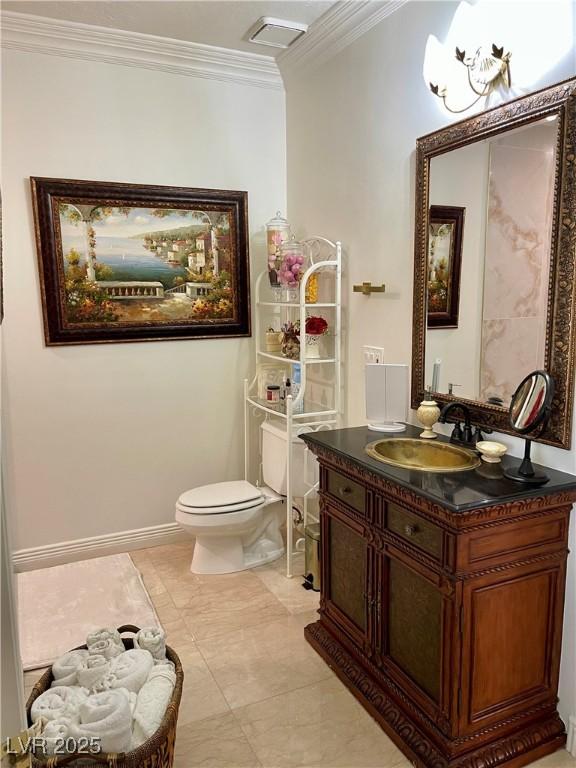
x=467, y=435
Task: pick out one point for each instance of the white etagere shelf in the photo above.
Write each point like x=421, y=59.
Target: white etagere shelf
x=298, y=414
x=310, y=361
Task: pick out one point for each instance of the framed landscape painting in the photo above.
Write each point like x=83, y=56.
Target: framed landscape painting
x=126, y=262
x=446, y=226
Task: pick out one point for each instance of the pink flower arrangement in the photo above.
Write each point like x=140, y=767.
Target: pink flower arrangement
x=290, y=270
x=316, y=326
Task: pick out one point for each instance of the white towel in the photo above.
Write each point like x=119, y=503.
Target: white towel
x=152, y=702
x=105, y=642
x=132, y=700
x=55, y=733
x=65, y=669
x=62, y=701
x=92, y=673
x=165, y=663
x=152, y=639
x=107, y=717
x=130, y=670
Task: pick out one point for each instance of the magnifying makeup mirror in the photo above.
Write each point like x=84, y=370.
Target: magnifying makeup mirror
x=529, y=410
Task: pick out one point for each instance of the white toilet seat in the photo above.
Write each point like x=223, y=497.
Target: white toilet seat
x=218, y=510
x=220, y=498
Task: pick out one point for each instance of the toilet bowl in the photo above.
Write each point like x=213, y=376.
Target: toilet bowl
x=236, y=525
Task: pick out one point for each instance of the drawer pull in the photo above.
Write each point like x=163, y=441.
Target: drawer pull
x=410, y=530
x=415, y=530
x=346, y=490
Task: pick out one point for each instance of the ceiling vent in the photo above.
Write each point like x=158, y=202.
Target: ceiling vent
x=277, y=33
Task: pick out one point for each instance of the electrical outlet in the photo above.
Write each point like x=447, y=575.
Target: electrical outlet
x=373, y=354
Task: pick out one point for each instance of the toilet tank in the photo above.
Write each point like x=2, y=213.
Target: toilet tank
x=274, y=445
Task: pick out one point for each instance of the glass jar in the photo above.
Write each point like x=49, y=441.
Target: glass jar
x=311, y=295
x=291, y=267
x=273, y=393
x=277, y=232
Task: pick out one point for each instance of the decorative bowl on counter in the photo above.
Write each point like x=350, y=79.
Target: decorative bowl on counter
x=491, y=451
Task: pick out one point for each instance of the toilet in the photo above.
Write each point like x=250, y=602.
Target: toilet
x=237, y=524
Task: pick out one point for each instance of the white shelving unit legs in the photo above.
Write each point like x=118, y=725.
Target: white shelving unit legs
x=298, y=413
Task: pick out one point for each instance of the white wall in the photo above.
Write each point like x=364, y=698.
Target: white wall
x=103, y=438
x=352, y=128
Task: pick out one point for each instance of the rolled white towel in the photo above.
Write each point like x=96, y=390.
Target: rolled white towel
x=107, y=717
x=105, y=642
x=106, y=648
x=152, y=702
x=55, y=733
x=130, y=670
x=93, y=671
x=104, y=633
x=152, y=639
x=62, y=701
x=65, y=669
x=165, y=663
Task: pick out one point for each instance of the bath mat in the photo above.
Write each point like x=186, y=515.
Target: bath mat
x=59, y=606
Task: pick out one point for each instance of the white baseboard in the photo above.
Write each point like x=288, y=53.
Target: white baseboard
x=571, y=740
x=96, y=546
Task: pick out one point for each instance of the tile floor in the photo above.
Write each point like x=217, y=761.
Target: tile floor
x=255, y=693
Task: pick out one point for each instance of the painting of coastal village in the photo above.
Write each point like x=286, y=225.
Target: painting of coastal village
x=132, y=265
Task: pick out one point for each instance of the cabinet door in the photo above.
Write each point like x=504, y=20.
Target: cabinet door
x=414, y=631
x=345, y=574
x=511, y=643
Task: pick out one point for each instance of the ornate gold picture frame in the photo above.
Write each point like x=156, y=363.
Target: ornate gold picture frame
x=560, y=360
x=126, y=262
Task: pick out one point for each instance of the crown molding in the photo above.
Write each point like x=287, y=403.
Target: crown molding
x=87, y=42
x=341, y=25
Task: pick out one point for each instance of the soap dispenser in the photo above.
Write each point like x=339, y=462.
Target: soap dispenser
x=428, y=414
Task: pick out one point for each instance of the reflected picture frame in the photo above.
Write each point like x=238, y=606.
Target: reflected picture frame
x=445, y=235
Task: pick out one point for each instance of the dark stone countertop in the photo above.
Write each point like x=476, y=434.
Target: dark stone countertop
x=457, y=491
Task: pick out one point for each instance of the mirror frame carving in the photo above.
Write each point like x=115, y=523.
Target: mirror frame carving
x=560, y=358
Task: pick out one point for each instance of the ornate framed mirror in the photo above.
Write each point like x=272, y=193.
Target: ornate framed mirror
x=510, y=175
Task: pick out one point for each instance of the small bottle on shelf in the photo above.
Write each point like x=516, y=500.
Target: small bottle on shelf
x=295, y=386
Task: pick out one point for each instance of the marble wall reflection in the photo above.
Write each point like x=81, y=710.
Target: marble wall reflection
x=517, y=260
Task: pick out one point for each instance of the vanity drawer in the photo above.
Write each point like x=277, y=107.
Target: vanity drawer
x=415, y=530
x=510, y=542
x=342, y=488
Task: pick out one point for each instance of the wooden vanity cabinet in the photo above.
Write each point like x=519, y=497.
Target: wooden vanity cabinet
x=446, y=626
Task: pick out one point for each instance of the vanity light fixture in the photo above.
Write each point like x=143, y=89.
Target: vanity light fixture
x=487, y=70
x=469, y=64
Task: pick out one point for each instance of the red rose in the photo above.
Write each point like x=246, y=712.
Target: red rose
x=316, y=326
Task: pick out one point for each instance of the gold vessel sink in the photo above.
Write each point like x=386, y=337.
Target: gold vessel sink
x=423, y=455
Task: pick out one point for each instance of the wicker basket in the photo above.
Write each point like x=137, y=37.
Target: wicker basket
x=156, y=752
